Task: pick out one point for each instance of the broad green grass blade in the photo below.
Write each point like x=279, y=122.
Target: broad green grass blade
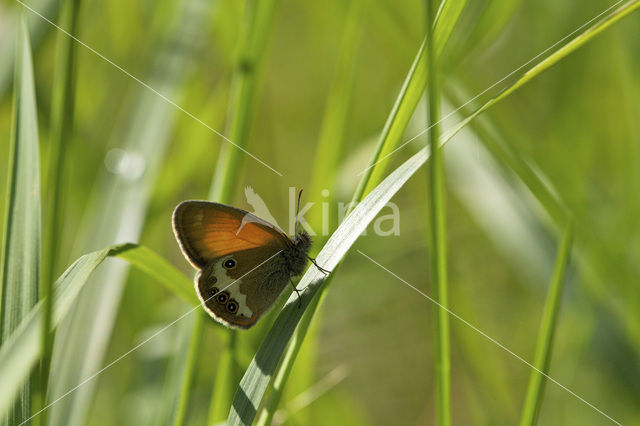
x=575, y=43
x=535, y=390
x=284, y=370
x=438, y=243
x=20, y=352
x=255, y=33
x=20, y=275
x=257, y=377
x=120, y=202
x=62, y=112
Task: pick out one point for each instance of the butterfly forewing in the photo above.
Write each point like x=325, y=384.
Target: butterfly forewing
x=207, y=231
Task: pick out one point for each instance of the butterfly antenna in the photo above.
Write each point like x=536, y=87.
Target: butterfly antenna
x=298, y=211
x=297, y=292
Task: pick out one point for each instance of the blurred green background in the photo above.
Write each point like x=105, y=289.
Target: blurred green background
x=369, y=358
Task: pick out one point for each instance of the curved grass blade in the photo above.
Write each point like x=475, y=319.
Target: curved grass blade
x=535, y=389
x=575, y=43
x=20, y=277
x=20, y=352
x=160, y=269
x=257, y=377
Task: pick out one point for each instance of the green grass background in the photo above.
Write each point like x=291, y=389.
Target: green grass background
x=368, y=356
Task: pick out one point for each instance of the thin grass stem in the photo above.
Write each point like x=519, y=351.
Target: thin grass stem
x=438, y=246
x=548, y=325
x=187, y=378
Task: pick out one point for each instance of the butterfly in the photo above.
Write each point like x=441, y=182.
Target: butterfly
x=244, y=262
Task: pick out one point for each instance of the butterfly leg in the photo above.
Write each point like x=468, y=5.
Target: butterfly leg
x=297, y=292
x=320, y=268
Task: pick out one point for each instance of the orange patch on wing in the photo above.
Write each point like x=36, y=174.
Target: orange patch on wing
x=210, y=230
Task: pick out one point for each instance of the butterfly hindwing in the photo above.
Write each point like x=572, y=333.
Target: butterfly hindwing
x=236, y=289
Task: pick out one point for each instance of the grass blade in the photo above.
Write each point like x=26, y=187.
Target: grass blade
x=20, y=352
x=257, y=377
x=175, y=373
x=63, y=106
x=20, y=275
x=438, y=246
x=259, y=15
x=533, y=399
x=189, y=369
x=516, y=161
x=447, y=17
x=161, y=270
x=575, y=43
x=396, y=123
x=9, y=21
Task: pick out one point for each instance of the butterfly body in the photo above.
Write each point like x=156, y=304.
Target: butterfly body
x=244, y=263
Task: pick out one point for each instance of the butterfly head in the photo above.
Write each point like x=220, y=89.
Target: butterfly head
x=302, y=241
x=296, y=256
